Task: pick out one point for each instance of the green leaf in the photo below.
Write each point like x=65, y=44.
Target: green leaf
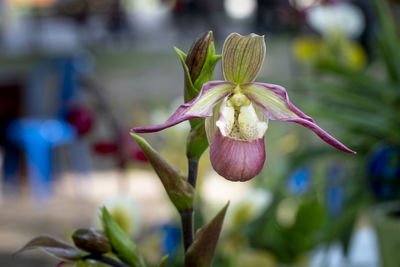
x=201, y=252
x=190, y=91
x=388, y=40
x=178, y=189
x=121, y=244
x=163, y=262
x=54, y=247
x=197, y=142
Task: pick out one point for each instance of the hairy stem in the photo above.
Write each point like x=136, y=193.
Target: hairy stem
x=187, y=217
x=105, y=260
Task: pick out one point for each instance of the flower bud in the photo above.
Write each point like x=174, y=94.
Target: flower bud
x=198, y=64
x=197, y=55
x=91, y=240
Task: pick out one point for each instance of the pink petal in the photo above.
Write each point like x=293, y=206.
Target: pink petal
x=200, y=107
x=237, y=160
x=274, y=101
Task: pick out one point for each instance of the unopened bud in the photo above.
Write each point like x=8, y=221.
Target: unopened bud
x=91, y=240
x=197, y=55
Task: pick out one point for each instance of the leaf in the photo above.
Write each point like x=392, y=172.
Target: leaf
x=121, y=244
x=178, y=189
x=190, y=91
x=388, y=40
x=163, y=261
x=54, y=247
x=201, y=252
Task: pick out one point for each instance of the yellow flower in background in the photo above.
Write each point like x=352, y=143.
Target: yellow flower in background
x=305, y=48
x=314, y=51
x=338, y=24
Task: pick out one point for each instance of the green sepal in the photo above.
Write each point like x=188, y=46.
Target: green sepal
x=121, y=244
x=180, y=192
x=202, y=250
x=197, y=141
x=242, y=57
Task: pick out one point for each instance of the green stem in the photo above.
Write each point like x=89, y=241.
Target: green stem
x=187, y=220
x=193, y=166
x=187, y=217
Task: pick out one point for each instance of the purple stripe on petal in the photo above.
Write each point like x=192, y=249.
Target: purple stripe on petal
x=237, y=160
x=200, y=107
x=281, y=92
x=321, y=133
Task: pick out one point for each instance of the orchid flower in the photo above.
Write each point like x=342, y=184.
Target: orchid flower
x=238, y=110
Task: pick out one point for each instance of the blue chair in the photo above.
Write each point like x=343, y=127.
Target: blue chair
x=44, y=127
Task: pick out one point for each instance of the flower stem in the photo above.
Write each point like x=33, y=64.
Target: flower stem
x=193, y=166
x=187, y=217
x=187, y=227
x=105, y=260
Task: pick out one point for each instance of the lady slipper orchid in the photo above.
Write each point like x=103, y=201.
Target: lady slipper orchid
x=238, y=110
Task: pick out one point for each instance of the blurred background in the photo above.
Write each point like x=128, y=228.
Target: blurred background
x=75, y=75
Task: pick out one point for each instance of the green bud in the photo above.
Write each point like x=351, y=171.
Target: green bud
x=198, y=65
x=197, y=54
x=121, y=244
x=176, y=185
x=242, y=57
x=91, y=240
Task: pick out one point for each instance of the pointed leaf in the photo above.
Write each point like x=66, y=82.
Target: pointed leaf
x=190, y=91
x=242, y=57
x=163, y=262
x=54, y=247
x=121, y=244
x=388, y=40
x=201, y=252
x=178, y=189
